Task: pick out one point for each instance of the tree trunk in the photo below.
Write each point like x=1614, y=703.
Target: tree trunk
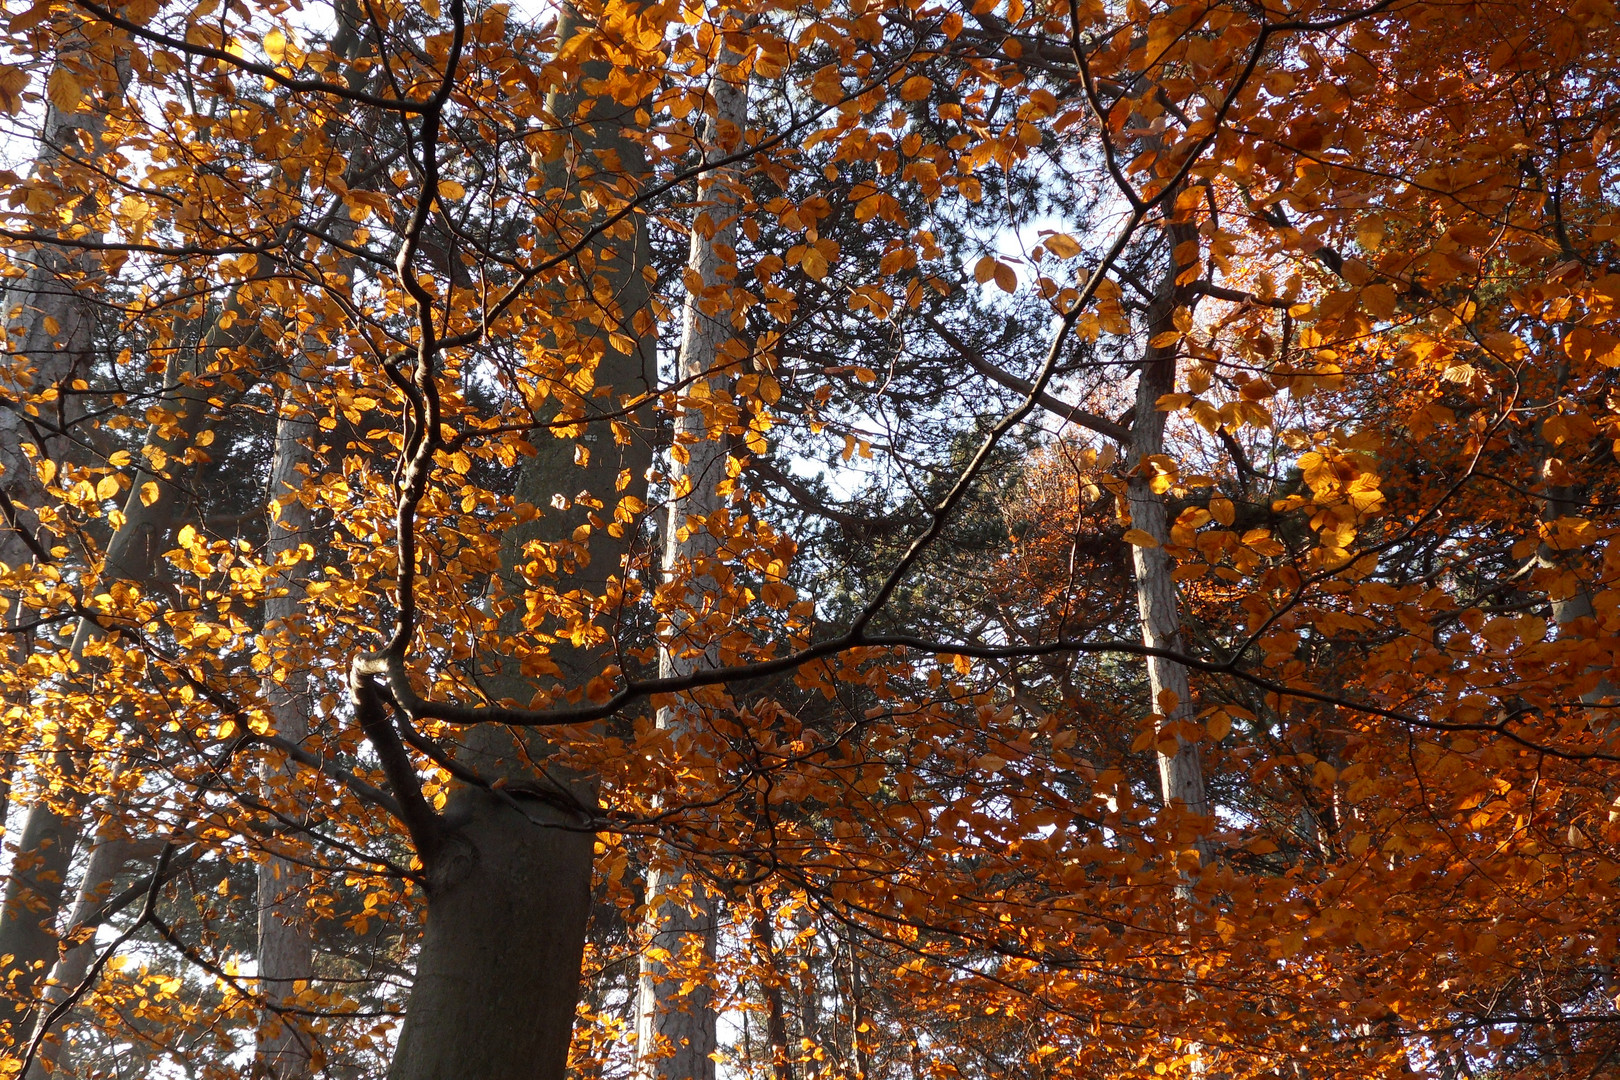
x=675, y=1030
x=34, y=891
x=286, y=938
x=50, y=328
x=508, y=898
x=111, y=855
x=497, y=978
x=1181, y=774
x=286, y=949
x=1569, y=596
x=50, y=322
x=771, y=987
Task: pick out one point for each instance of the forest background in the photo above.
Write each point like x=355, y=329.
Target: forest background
x=825, y=540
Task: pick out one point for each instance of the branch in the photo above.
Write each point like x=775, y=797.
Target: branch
x=806, y=500
x=114, y=904
x=14, y=522
x=415, y=813
x=1099, y=424
x=148, y=913
x=265, y=71
x=1237, y=296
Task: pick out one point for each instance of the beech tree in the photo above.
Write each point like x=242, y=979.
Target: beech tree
x=956, y=538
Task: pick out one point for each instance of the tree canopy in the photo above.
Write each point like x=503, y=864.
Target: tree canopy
x=810, y=539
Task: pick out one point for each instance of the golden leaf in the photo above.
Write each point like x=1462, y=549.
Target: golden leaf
x=916, y=88
x=1062, y=245
x=64, y=91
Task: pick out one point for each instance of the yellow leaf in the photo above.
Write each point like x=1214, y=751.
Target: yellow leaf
x=916, y=88
x=1222, y=510
x=107, y=487
x=275, y=46
x=1218, y=726
x=1379, y=300
x=1140, y=538
x=64, y=91
x=815, y=264
x=13, y=81
x=449, y=189
x=149, y=493
x=984, y=270
x=1062, y=245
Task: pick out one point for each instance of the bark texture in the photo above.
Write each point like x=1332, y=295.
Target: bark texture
x=675, y=1027
x=111, y=855
x=50, y=337
x=498, y=972
x=286, y=949
x=1181, y=774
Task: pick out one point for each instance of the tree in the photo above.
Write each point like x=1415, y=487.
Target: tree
x=675, y=1033
x=1257, y=357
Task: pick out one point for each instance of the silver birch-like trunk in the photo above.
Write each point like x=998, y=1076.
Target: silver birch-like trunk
x=675, y=1030
x=1181, y=773
x=286, y=948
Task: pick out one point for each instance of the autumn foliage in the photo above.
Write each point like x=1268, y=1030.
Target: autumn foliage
x=960, y=539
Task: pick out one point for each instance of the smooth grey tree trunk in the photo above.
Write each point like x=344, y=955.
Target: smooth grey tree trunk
x=1181, y=774
x=109, y=857
x=675, y=1028
x=50, y=337
x=286, y=948
x=286, y=933
x=508, y=898
x=35, y=889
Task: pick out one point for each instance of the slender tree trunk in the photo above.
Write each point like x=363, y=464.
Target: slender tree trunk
x=1569, y=596
x=771, y=987
x=34, y=891
x=50, y=323
x=810, y=1011
x=286, y=938
x=675, y=1030
x=286, y=948
x=1181, y=774
x=509, y=896
x=50, y=338
x=860, y=1053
